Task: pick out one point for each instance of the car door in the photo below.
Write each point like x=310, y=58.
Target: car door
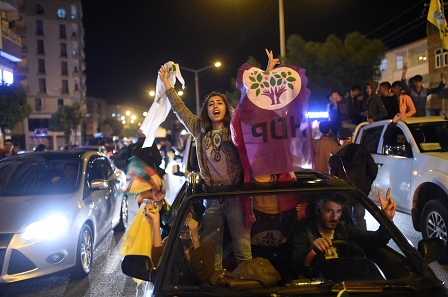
x=394, y=171
x=102, y=205
x=115, y=184
x=107, y=170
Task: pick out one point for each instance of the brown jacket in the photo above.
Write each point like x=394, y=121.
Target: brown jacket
x=322, y=149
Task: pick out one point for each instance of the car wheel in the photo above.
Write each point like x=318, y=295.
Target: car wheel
x=84, y=254
x=123, y=224
x=434, y=223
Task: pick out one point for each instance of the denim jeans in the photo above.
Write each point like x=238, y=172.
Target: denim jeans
x=232, y=211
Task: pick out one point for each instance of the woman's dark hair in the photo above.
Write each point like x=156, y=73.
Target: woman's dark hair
x=206, y=123
x=365, y=95
x=365, y=88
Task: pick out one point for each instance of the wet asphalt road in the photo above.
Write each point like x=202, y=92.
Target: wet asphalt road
x=106, y=278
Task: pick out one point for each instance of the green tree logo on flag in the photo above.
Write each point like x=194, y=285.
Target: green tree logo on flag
x=272, y=89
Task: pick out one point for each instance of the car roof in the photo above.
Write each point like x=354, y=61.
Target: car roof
x=56, y=155
x=88, y=147
x=417, y=120
x=306, y=180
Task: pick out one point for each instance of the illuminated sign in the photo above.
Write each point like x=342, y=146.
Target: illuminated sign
x=317, y=114
x=40, y=132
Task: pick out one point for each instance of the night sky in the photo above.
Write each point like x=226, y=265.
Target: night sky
x=127, y=41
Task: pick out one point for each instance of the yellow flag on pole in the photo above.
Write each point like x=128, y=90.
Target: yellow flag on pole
x=436, y=17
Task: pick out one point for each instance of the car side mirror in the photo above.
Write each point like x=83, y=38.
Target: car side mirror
x=431, y=249
x=176, y=171
x=137, y=266
x=99, y=184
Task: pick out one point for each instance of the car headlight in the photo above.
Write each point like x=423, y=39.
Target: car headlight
x=50, y=227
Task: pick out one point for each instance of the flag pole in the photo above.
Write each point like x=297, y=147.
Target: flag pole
x=443, y=48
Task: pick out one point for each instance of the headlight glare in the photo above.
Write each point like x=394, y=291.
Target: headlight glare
x=51, y=227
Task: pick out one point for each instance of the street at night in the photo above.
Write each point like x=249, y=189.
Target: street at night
x=107, y=279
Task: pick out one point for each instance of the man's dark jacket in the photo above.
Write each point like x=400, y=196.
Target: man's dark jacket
x=360, y=168
x=305, y=233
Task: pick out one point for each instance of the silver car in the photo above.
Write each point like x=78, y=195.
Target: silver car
x=56, y=207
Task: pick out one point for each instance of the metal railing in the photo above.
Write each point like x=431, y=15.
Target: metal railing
x=8, y=34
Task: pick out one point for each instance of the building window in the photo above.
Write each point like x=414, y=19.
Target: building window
x=76, y=87
x=422, y=59
x=62, y=31
x=39, y=9
x=40, y=66
x=42, y=85
x=63, y=47
x=438, y=57
x=64, y=86
x=73, y=12
x=64, y=68
x=34, y=124
x=399, y=61
x=61, y=13
x=75, y=69
x=383, y=66
x=74, y=52
x=39, y=27
x=40, y=47
x=7, y=78
x=37, y=104
x=60, y=102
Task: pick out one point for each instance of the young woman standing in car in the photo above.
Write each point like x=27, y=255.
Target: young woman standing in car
x=219, y=165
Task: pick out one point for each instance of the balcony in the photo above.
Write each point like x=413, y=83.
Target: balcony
x=8, y=34
x=12, y=46
x=21, y=30
x=22, y=70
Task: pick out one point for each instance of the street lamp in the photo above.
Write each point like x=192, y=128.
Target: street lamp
x=196, y=80
x=281, y=16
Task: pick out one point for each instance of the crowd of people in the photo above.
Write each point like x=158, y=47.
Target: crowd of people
x=220, y=166
x=407, y=98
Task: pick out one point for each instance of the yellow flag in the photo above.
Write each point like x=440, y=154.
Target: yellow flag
x=436, y=17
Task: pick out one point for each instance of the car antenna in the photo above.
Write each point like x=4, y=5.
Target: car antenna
x=446, y=118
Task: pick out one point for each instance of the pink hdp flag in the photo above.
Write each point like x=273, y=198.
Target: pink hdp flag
x=267, y=126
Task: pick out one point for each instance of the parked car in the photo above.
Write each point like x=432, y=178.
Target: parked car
x=56, y=207
x=398, y=268
x=416, y=171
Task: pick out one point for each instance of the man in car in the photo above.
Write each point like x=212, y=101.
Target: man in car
x=354, y=163
x=69, y=177
x=312, y=241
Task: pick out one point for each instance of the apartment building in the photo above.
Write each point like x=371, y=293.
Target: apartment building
x=10, y=46
x=424, y=57
x=51, y=67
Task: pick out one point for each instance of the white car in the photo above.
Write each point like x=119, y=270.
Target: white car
x=416, y=171
x=56, y=207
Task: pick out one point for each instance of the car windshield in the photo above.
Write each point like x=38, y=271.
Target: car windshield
x=272, y=238
x=431, y=137
x=38, y=176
